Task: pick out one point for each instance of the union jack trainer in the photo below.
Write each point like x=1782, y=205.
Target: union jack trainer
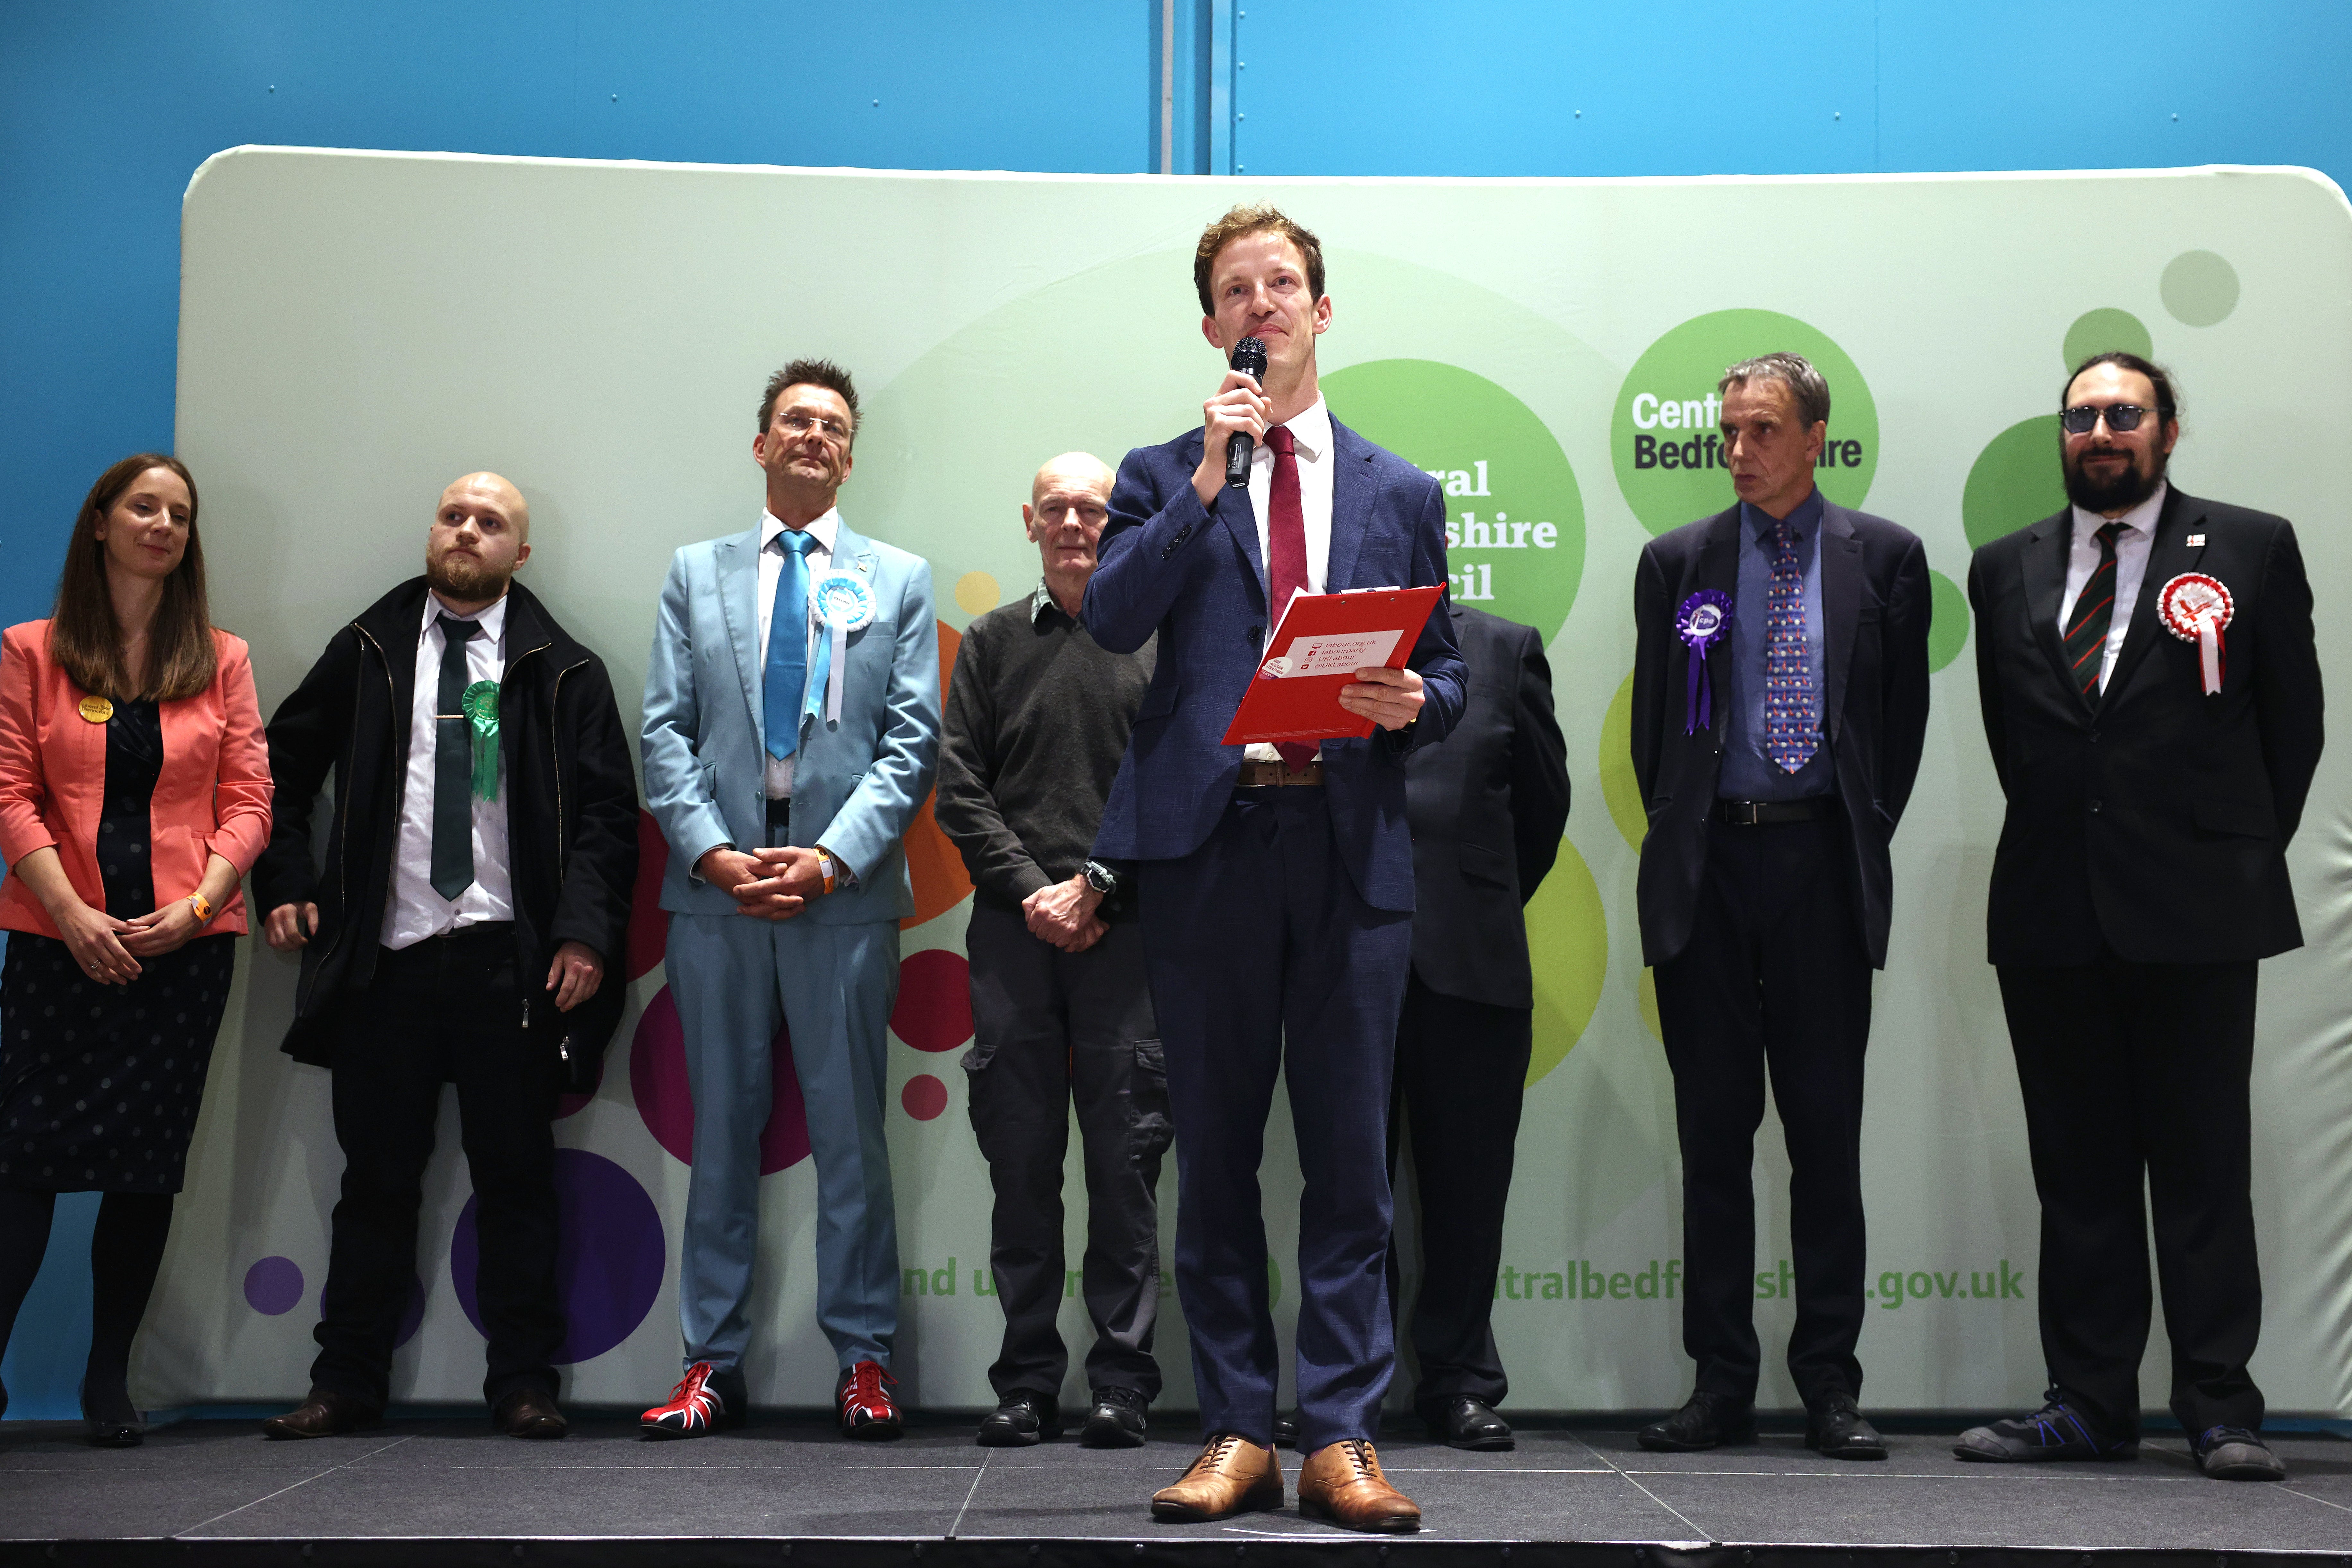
x=866, y=1412
x=705, y=1401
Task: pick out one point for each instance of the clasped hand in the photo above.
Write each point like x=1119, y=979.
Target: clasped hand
x=1062, y=913
x=769, y=884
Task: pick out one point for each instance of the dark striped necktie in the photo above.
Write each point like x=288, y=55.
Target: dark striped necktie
x=2095, y=612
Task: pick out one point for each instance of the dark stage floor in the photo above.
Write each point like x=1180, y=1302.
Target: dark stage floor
x=451, y=1490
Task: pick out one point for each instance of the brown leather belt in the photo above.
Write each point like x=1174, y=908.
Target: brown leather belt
x=1265, y=776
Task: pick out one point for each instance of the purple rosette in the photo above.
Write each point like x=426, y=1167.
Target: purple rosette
x=1705, y=617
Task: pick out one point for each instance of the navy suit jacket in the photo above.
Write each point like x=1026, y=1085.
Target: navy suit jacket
x=1171, y=566
x=1876, y=606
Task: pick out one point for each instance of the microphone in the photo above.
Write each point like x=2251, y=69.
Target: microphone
x=1249, y=355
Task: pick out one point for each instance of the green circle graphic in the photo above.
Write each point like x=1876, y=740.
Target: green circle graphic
x=2103, y=331
x=2015, y=480
x=1665, y=440
x=1568, y=943
x=1619, y=788
x=1514, y=517
x=2199, y=288
x=1947, y=622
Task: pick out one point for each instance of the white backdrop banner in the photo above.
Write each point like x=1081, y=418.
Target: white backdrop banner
x=358, y=328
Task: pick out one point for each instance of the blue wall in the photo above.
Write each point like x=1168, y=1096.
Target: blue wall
x=107, y=106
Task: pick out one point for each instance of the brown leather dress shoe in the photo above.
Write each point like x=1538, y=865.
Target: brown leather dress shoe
x=1343, y=1483
x=530, y=1413
x=325, y=1414
x=1231, y=1476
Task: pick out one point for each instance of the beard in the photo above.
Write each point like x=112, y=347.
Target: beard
x=2125, y=490
x=465, y=579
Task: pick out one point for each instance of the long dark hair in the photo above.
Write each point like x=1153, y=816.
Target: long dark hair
x=85, y=638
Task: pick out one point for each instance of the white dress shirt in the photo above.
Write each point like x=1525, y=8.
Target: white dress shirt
x=2131, y=568
x=779, y=775
x=1310, y=433
x=414, y=911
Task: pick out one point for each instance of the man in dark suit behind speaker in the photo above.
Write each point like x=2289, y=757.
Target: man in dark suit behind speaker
x=1779, y=706
x=1486, y=808
x=2151, y=694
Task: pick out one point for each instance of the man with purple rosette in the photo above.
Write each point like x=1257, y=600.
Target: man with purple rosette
x=2151, y=694
x=1780, y=705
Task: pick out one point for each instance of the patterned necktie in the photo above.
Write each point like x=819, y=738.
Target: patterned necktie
x=453, y=765
x=1792, y=711
x=784, y=680
x=2095, y=614
x=1285, y=550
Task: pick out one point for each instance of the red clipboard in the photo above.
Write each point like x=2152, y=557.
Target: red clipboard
x=1323, y=640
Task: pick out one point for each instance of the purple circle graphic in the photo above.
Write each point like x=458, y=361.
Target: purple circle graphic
x=273, y=1286
x=412, y=1314
x=609, y=1255
x=658, y=1079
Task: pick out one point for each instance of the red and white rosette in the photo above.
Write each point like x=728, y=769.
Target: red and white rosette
x=2196, y=608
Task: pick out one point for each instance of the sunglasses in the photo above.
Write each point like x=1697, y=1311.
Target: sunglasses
x=2121, y=417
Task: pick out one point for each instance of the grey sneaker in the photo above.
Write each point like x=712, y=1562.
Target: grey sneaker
x=2234, y=1454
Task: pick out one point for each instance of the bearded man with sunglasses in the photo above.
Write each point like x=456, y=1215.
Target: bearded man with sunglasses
x=2151, y=695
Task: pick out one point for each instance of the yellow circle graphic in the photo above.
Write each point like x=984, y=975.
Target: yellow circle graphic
x=1619, y=787
x=977, y=592
x=1568, y=943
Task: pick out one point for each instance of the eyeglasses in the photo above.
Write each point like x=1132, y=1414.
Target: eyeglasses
x=2121, y=417
x=801, y=424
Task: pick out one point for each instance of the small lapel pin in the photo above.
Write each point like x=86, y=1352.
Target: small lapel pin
x=2195, y=541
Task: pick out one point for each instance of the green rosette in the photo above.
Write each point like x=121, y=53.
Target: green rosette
x=481, y=707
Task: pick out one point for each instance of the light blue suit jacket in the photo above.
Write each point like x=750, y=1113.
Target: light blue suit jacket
x=859, y=780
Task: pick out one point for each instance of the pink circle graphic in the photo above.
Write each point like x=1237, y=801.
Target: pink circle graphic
x=658, y=1079
x=573, y=1104
x=648, y=922
x=924, y=1097
x=934, y=1010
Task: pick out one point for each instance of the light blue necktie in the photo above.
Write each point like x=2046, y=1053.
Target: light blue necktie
x=785, y=678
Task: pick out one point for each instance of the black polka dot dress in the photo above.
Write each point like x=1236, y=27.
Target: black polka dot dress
x=100, y=1084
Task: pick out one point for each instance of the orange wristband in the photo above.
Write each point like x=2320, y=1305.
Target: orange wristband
x=203, y=910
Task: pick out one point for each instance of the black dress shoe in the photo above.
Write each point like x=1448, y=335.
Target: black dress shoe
x=325, y=1414
x=1834, y=1430
x=2057, y=1431
x=1116, y=1421
x=1706, y=1421
x=1463, y=1422
x=529, y=1412
x=118, y=1434
x=1286, y=1431
x=117, y=1424
x=2234, y=1454
x=1019, y=1421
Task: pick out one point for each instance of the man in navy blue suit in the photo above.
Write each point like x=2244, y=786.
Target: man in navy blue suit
x=1276, y=888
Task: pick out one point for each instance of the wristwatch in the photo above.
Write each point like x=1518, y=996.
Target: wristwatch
x=1100, y=877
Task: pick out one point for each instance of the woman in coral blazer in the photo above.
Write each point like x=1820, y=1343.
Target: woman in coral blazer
x=134, y=795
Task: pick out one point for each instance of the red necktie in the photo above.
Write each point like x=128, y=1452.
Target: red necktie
x=1285, y=551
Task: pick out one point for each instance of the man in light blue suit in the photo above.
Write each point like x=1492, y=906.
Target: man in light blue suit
x=792, y=726
x=1276, y=886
